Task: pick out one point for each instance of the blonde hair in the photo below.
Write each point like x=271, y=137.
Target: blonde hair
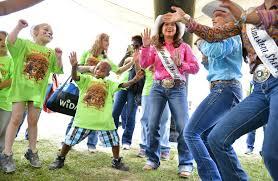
x=35, y=29
x=96, y=48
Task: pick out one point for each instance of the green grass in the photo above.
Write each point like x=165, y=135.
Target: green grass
x=86, y=166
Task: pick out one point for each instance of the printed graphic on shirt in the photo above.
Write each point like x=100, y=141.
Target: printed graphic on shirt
x=96, y=95
x=36, y=65
x=3, y=72
x=92, y=61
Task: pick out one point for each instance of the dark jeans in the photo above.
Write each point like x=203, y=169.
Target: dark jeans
x=250, y=141
x=121, y=98
x=258, y=109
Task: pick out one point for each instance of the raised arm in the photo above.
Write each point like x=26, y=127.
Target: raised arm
x=10, y=6
x=74, y=64
x=139, y=75
x=13, y=35
x=210, y=34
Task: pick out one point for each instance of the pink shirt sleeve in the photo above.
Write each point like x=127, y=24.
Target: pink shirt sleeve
x=189, y=64
x=147, y=57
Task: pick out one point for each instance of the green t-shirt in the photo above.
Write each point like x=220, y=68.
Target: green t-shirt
x=148, y=83
x=89, y=117
x=33, y=64
x=6, y=70
x=87, y=54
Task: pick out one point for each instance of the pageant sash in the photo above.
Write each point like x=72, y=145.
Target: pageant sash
x=265, y=48
x=169, y=64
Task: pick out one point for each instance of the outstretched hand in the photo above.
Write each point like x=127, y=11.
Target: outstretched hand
x=73, y=59
x=146, y=37
x=22, y=24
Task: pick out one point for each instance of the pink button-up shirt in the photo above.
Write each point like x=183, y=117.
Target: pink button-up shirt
x=189, y=65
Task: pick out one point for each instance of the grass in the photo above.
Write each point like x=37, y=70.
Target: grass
x=86, y=166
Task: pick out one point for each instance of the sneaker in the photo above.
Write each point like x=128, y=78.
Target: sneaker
x=142, y=153
x=249, y=151
x=186, y=171
x=148, y=167
x=33, y=158
x=126, y=147
x=119, y=165
x=7, y=163
x=92, y=149
x=165, y=156
x=58, y=163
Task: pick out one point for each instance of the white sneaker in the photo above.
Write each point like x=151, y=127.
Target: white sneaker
x=126, y=147
x=92, y=150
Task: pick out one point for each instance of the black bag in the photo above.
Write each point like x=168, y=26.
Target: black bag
x=64, y=99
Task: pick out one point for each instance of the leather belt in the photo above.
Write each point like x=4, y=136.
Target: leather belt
x=170, y=83
x=215, y=82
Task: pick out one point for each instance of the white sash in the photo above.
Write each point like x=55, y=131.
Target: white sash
x=265, y=48
x=169, y=64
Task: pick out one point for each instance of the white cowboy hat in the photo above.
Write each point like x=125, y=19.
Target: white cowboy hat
x=158, y=22
x=212, y=6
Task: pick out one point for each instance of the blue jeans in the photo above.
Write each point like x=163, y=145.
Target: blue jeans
x=92, y=137
x=251, y=138
x=259, y=108
x=124, y=116
x=222, y=98
x=121, y=98
x=164, y=131
x=177, y=100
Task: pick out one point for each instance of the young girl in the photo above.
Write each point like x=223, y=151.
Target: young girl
x=94, y=111
x=33, y=62
x=6, y=68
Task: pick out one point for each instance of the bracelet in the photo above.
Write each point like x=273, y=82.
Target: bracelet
x=187, y=17
x=243, y=17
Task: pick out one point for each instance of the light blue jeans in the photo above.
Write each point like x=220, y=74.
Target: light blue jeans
x=222, y=98
x=259, y=108
x=164, y=131
x=177, y=100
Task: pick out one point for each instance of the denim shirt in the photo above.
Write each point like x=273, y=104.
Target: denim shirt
x=224, y=58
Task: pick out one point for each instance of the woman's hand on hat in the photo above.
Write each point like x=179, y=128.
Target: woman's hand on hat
x=235, y=9
x=174, y=17
x=146, y=37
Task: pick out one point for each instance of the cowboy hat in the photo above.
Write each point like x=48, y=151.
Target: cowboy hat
x=212, y=6
x=158, y=22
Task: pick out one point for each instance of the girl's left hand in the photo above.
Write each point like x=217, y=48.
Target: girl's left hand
x=177, y=57
x=58, y=53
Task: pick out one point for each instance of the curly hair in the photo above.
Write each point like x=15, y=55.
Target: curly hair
x=158, y=40
x=96, y=48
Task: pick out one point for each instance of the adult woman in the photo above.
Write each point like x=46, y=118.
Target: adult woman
x=172, y=59
x=223, y=61
x=260, y=107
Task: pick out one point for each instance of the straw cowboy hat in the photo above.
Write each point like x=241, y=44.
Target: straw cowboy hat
x=212, y=6
x=158, y=22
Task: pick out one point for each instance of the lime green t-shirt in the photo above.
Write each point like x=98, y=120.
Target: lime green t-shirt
x=148, y=83
x=33, y=64
x=88, y=116
x=6, y=70
x=87, y=54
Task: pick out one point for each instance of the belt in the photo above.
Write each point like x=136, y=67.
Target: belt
x=261, y=73
x=170, y=83
x=215, y=82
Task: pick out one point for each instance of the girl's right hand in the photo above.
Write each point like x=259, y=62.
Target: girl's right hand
x=22, y=23
x=73, y=59
x=146, y=37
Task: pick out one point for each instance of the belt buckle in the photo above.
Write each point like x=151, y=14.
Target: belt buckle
x=261, y=73
x=168, y=83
